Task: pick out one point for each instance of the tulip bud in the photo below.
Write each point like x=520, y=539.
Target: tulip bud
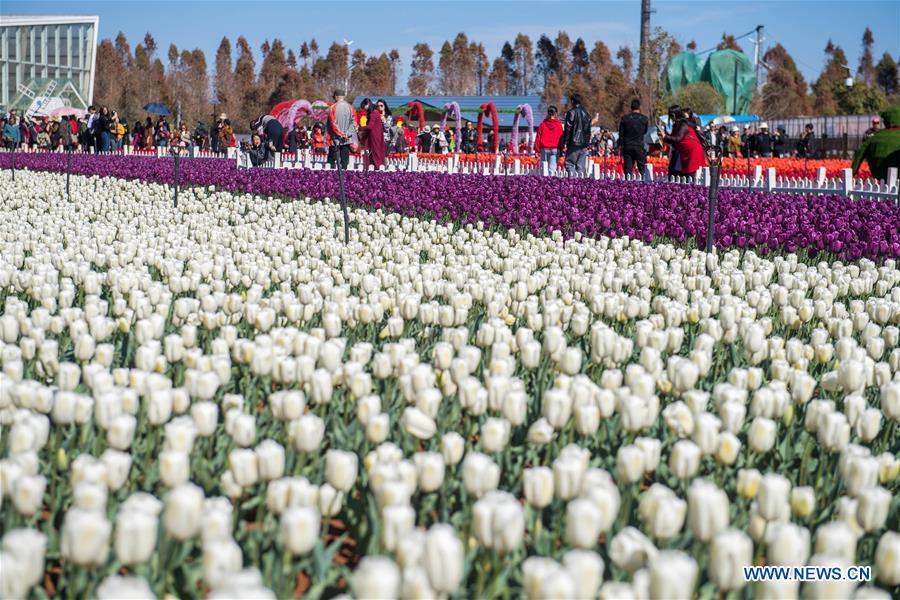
x=728, y=449
x=495, y=434
x=300, y=529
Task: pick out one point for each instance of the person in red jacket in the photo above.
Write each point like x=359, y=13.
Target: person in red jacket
x=687, y=145
x=409, y=135
x=546, y=143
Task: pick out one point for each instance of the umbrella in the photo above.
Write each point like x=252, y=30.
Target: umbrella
x=68, y=111
x=155, y=108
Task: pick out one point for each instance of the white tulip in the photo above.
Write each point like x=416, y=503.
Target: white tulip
x=583, y=523
x=673, y=575
x=586, y=570
x=452, y=448
x=270, y=460
x=116, y=587
x=418, y=424
x=443, y=558
x=28, y=494
x=85, y=537
x=787, y=544
x=135, y=539
x=731, y=550
x=537, y=483
x=887, y=559
x=495, y=434
x=761, y=436
x=376, y=577
x=27, y=547
x=340, y=469
x=872, y=509
x=774, y=497
x=307, y=433
x=684, y=460
x=184, y=510
x=708, y=509
x=299, y=529
x=429, y=470
x=480, y=474
x=631, y=550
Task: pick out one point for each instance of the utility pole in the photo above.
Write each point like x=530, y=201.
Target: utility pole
x=756, y=54
x=645, y=39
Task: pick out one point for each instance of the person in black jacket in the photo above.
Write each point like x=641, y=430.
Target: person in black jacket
x=469, y=142
x=763, y=142
x=778, y=142
x=576, y=137
x=806, y=143
x=632, y=129
x=258, y=151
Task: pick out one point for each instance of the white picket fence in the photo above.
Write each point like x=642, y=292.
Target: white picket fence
x=761, y=180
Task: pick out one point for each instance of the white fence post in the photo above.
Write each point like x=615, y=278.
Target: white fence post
x=648, y=172
x=770, y=179
x=820, y=177
x=498, y=166
x=517, y=167
x=706, y=179
x=277, y=160
x=891, y=178
x=757, y=175
x=847, y=182
x=596, y=170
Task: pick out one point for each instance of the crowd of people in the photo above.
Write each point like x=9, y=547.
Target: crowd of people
x=375, y=132
x=102, y=130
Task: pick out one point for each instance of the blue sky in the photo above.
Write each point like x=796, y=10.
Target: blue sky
x=803, y=27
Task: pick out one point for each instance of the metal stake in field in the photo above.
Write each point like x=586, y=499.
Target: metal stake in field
x=176, y=154
x=340, y=168
x=714, y=165
x=68, y=170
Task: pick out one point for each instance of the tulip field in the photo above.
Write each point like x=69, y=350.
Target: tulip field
x=498, y=388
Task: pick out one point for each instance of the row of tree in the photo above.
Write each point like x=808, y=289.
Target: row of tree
x=553, y=68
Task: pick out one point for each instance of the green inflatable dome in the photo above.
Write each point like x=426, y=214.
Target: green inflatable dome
x=719, y=71
x=683, y=69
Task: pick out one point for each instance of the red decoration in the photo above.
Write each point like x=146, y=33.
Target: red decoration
x=491, y=111
x=416, y=112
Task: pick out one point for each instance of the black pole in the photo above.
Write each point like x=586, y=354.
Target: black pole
x=176, y=176
x=713, y=191
x=340, y=166
x=734, y=98
x=68, y=170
